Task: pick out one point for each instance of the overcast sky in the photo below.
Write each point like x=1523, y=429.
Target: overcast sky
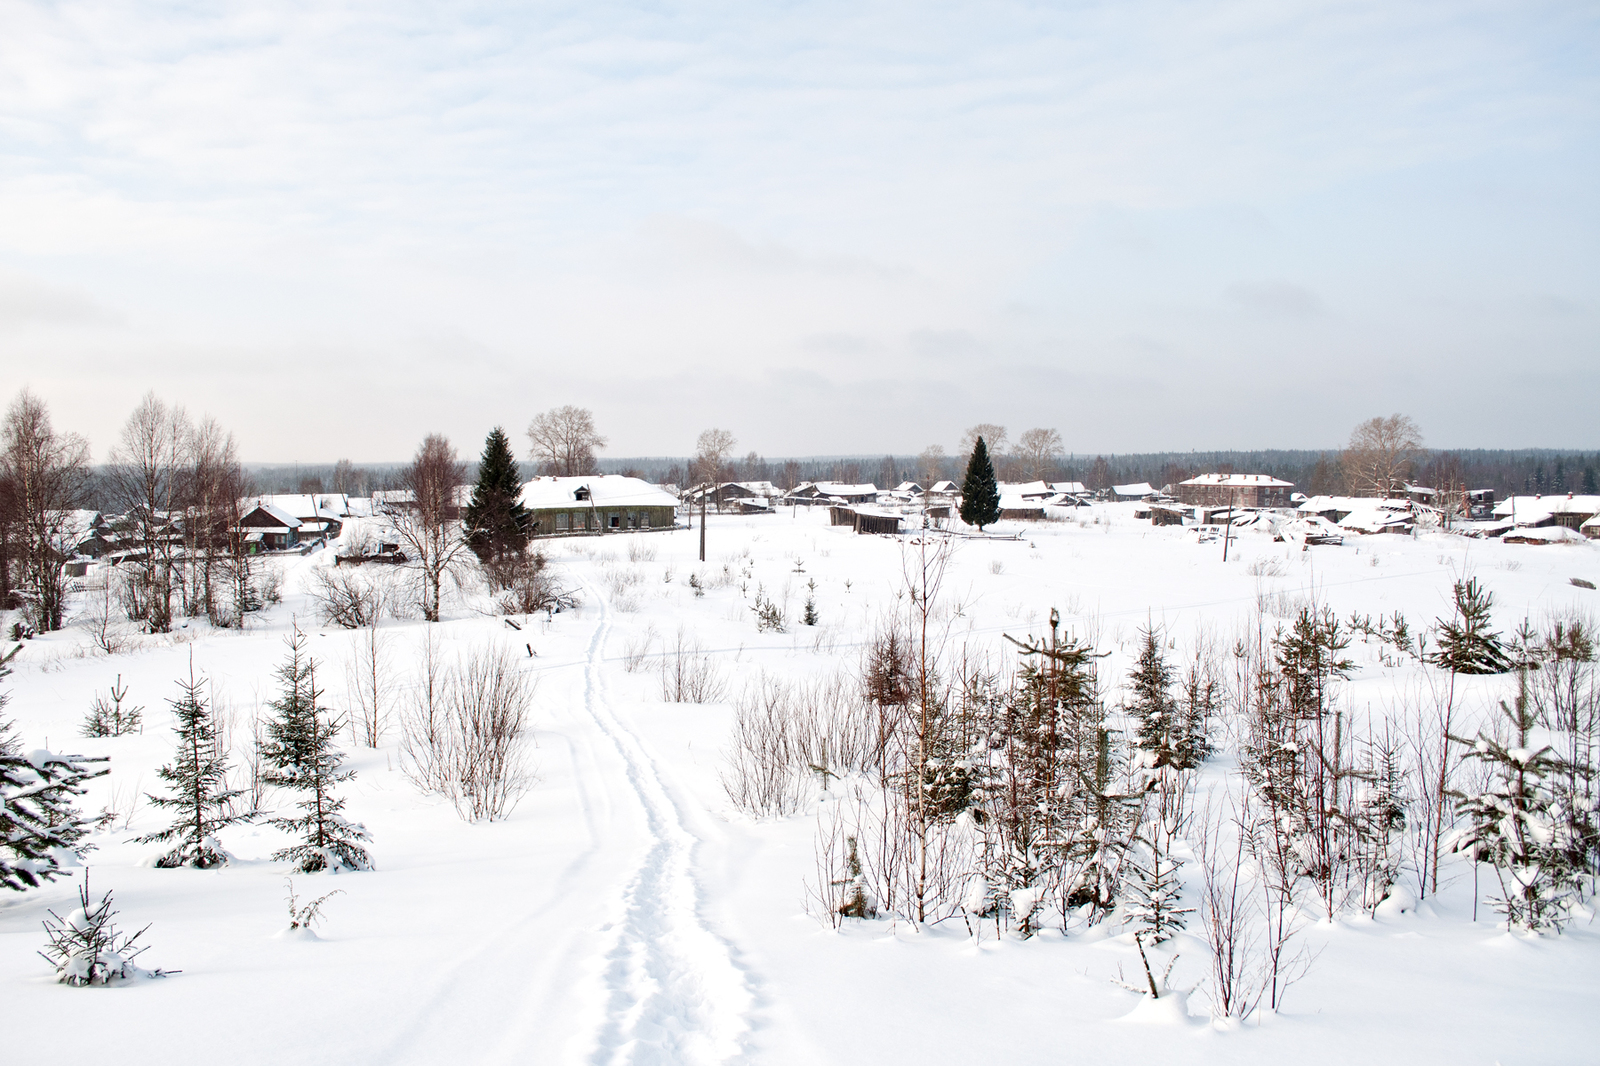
x=827, y=227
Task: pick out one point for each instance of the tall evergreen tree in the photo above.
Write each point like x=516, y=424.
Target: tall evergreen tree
x=37, y=820
x=198, y=777
x=980, y=492
x=300, y=752
x=1157, y=729
x=497, y=524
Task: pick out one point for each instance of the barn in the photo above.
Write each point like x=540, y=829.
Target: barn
x=601, y=503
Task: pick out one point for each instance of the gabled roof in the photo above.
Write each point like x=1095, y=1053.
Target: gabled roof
x=1140, y=488
x=1074, y=487
x=944, y=487
x=1239, y=481
x=909, y=486
x=1036, y=489
x=278, y=515
x=604, y=490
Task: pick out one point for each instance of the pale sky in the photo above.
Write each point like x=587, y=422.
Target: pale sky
x=827, y=227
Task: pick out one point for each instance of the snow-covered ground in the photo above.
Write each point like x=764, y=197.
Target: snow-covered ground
x=626, y=913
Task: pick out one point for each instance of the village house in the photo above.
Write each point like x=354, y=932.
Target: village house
x=833, y=492
x=601, y=503
x=267, y=527
x=1569, y=510
x=1234, y=490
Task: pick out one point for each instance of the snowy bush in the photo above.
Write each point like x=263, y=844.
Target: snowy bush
x=86, y=948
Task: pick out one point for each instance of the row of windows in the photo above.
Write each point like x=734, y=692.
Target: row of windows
x=602, y=519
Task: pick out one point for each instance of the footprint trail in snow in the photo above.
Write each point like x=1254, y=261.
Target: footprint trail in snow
x=673, y=993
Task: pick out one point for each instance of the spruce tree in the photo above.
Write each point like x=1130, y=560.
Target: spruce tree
x=37, y=820
x=1514, y=823
x=497, y=524
x=1157, y=723
x=980, y=492
x=198, y=777
x=299, y=749
x=1467, y=644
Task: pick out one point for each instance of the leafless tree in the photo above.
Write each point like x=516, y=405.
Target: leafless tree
x=711, y=461
x=147, y=471
x=1038, y=450
x=212, y=490
x=1380, y=455
x=347, y=598
x=564, y=440
x=349, y=478
x=369, y=682
x=791, y=474
x=994, y=438
x=45, y=476
x=427, y=517
x=930, y=464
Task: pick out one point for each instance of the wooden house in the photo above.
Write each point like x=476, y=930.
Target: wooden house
x=601, y=503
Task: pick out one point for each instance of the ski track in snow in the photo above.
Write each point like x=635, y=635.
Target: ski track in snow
x=672, y=991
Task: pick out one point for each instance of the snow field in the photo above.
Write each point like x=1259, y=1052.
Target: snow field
x=625, y=913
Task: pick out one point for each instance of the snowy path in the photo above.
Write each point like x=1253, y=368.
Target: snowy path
x=673, y=993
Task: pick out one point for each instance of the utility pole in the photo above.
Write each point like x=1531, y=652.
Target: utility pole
x=702, y=523
x=1227, y=530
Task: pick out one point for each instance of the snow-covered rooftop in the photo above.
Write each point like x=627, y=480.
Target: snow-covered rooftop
x=1238, y=481
x=605, y=490
x=1529, y=509
x=1139, y=488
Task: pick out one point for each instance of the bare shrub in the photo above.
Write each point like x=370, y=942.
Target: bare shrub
x=368, y=681
x=109, y=633
x=347, y=598
x=637, y=650
x=688, y=674
x=1266, y=566
x=466, y=733
x=640, y=552
x=529, y=585
x=791, y=737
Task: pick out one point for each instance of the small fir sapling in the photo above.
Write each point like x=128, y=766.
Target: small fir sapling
x=810, y=617
x=85, y=947
x=852, y=887
x=1151, y=888
x=1515, y=825
x=1467, y=643
x=197, y=776
x=300, y=755
x=112, y=719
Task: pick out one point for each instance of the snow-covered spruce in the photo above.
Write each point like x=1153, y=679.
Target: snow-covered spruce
x=39, y=827
x=301, y=756
x=86, y=948
x=197, y=776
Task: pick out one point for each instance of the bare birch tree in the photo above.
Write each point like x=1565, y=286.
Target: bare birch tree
x=146, y=472
x=710, y=463
x=564, y=441
x=1038, y=450
x=427, y=518
x=1380, y=455
x=45, y=476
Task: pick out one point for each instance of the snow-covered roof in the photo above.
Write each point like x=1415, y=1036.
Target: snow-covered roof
x=74, y=525
x=1074, y=487
x=276, y=513
x=910, y=487
x=1036, y=489
x=944, y=487
x=1238, y=481
x=1420, y=490
x=1528, y=509
x=306, y=505
x=1014, y=502
x=1140, y=488
x=1546, y=535
x=839, y=488
x=1319, y=504
x=605, y=490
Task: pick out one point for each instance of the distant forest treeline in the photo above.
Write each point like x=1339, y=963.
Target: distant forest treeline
x=1506, y=471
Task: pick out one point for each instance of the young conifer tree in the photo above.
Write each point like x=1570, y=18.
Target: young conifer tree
x=37, y=819
x=1467, y=643
x=299, y=749
x=980, y=492
x=1514, y=822
x=497, y=524
x=197, y=776
x=1158, y=727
